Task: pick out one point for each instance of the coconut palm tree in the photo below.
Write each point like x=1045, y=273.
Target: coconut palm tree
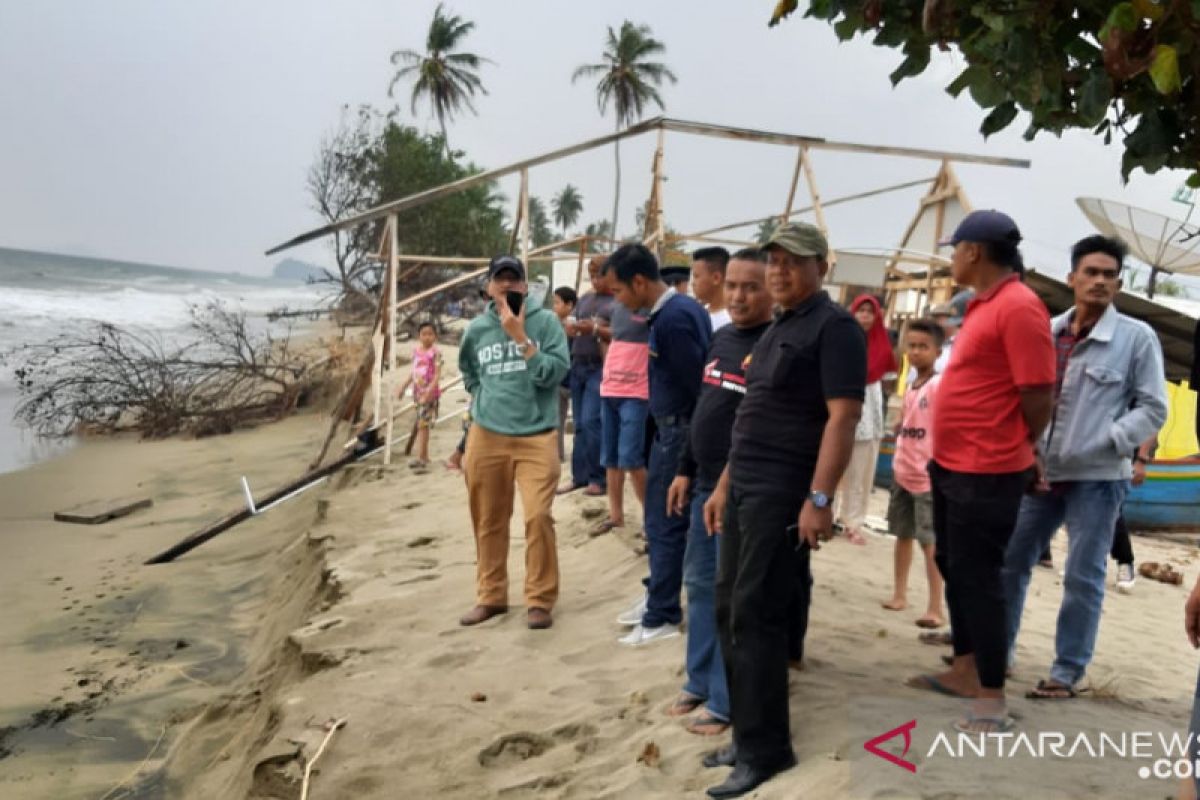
x=628, y=81
x=766, y=229
x=447, y=79
x=567, y=206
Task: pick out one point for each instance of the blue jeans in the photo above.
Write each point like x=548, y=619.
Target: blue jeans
x=705, y=667
x=1090, y=510
x=623, y=432
x=585, y=406
x=666, y=536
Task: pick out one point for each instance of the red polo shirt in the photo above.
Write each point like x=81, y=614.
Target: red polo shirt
x=1004, y=346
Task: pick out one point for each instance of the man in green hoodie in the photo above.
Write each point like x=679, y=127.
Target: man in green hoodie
x=512, y=363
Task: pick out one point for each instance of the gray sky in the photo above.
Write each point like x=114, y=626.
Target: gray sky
x=179, y=133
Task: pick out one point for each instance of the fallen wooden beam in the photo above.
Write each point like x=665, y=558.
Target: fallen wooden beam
x=101, y=511
x=243, y=514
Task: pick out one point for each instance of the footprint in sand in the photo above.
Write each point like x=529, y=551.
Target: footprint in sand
x=456, y=659
x=422, y=541
x=514, y=747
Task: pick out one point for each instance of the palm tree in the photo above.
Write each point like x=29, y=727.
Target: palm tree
x=447, y=79
x=766, y=229
x=567, y=206
x=628, y=81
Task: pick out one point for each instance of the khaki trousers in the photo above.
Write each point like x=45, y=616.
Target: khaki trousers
x=493, y=463
x=855, y=489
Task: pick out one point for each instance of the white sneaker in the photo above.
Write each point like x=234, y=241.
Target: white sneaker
x=633, y=614
x=1125, y=578
x=640, y=636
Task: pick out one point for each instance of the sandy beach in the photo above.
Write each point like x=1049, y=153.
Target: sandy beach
x=213, y=677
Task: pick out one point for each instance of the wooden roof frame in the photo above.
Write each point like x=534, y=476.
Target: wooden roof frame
x=660, y=124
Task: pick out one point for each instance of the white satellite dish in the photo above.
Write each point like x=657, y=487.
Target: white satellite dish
x=1165, y=244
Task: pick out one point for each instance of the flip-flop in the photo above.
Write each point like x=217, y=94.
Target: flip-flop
x=936, y=638
x=707, y=725
x=932, y=684
x=603, y=528
x=594, y=491
x=929, y=624
x=997, y=724
x=567, y=488
x=684, y=704
x=1051, y=690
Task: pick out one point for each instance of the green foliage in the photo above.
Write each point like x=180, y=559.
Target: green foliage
x=539, y=223
x=1128, y=69
x=444, y=77
x=628, y=81
x=766, y=229
x=567, y=206
x=468, y=223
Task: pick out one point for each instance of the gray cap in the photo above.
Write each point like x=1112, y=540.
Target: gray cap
x=799, y=239
x=956, y=309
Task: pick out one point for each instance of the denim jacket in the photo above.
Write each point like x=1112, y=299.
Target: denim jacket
x=1113, y=398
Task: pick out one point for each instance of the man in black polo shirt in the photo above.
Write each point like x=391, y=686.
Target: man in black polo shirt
x=700, y=466
x=792, y=439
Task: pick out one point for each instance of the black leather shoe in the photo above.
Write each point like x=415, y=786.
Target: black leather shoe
x=745, y=779
x=724, y=757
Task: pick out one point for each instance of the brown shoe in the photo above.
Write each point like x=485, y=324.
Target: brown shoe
x=480, y=614
x=539, y=619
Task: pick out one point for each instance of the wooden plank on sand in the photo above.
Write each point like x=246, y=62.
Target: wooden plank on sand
x=101, y=511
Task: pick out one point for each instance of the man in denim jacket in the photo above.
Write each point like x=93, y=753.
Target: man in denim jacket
x=1109, y=398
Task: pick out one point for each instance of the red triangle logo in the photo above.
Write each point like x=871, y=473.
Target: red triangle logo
x=904, y=730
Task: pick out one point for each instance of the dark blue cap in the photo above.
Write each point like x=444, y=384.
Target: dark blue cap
x=506, y=263
x=985, y=226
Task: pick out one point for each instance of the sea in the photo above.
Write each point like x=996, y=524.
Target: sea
x=45, y=294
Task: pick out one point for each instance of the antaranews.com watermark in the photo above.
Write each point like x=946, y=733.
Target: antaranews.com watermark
x=1153, y=754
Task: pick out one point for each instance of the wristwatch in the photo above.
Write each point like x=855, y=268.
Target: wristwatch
x=819, y=499
x=525, y=346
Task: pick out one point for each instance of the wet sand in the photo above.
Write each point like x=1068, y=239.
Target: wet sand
x=105, y=657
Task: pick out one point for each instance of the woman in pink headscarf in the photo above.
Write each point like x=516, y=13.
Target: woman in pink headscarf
x=855, y=488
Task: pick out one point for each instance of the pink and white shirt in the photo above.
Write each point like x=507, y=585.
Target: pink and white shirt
x=914, y=443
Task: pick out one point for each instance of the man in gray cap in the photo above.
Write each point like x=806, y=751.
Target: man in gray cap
x=950, y=316
x=792, y=438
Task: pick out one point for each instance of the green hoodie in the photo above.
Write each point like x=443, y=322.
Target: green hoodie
x=510, y=395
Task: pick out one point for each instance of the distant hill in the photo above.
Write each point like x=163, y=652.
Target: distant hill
x=291, y=269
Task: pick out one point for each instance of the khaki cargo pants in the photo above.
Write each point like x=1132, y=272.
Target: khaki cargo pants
x=493, y=464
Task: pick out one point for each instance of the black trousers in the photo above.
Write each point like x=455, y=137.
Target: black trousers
x=973, y=518
x=762, y=595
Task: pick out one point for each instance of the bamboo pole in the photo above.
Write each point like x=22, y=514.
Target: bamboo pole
x=579, y=266
x=441, y=286
x=678, y=237
x=659, y=223
x=787, y=211
x=939, y=224
x=815, y=194
x=390, y=383
x=828, y=204
x=524, y=226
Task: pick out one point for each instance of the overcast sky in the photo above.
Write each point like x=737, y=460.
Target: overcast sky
x=179, y=133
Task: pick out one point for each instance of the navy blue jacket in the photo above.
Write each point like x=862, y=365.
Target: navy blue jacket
x=679, y=336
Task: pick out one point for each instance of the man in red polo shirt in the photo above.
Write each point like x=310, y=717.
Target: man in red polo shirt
x=994, y=400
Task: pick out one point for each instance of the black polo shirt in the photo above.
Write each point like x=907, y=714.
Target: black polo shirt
x=810, y=354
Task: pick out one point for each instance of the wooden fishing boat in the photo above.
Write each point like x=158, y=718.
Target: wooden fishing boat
x=1169, y=500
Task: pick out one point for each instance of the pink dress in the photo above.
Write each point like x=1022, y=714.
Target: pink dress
x=425, y=367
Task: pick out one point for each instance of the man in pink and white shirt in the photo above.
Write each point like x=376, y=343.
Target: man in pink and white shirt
x=910, y=509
